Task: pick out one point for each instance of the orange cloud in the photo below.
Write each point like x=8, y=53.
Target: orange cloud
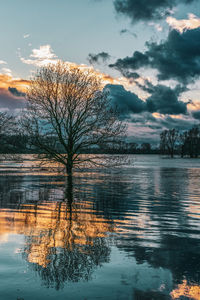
x=45, y=55
x=193, y=106
x=9, y=100
x=7, y=81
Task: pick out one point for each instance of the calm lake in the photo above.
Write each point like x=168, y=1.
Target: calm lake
x=126, y=233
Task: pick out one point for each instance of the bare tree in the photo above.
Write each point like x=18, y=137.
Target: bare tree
x=190, y=142
x=6, y=129
x=183, y=136
x=68, y=112
x=168, y=140
x=146, y=147
x=5, y=122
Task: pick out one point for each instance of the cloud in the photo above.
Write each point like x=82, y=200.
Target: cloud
x=165, y=100
x=170, y=122
x=7, y=81
x=12, y=96
x=134, y=62
x=178, y=57
x=2, y=62
x=196, y=114
x=44, y=52
x=123, y=31
x=25, y=36
x=145, y=10
x=98, y=58
x=158, y=27
x=44, y=55
x=162, y=99
x=126, y=102
x=7, y=71
x=9, y=101
x=16, y=92
x=146, y=127
x=192, y=22
x=41, y=57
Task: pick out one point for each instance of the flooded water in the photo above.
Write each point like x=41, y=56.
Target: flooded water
x=127, y=233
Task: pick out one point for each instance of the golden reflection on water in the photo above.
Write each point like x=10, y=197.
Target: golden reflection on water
x=186, y=290
x=53, y=225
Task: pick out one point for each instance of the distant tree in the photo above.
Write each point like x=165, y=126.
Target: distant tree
x=194, y=141
x=68, y=113
x=168, y=141
x=183, y=142
x=133, y=147
x=6, y=130
x=146, y=147
x=190, y=142
x=123, y=147
x=163, y=142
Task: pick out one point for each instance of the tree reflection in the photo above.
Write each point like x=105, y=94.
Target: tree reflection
x=63, y=242
x=72, y=263
x=66, y=230
x=10, y=190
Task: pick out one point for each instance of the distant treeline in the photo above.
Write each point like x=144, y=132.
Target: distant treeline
x=172, y=142
x=21, y=144
x=184, y=143
x=15, y=143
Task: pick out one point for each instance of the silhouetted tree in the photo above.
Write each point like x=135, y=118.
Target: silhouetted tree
x=190, y=142
x=133, y=147
x=168, y=140
x=68, y=112
x=146, y=147
x=6, y=129
x=183, y=138
x=193, y=141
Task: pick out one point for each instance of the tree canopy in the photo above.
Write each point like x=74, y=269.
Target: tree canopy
x=68, y=112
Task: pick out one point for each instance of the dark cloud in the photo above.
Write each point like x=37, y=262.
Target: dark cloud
x=165, y=101
x=162, y=99
x=178, y=57
x=98, y=58
x=145, y=10
x=8, y=101
x=16, y=92
x=124, y=31
x=126, y=102
x=130, y=75
x=196, y=114
x=134, y=62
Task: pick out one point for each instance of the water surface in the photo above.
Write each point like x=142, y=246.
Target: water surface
x=125, y=233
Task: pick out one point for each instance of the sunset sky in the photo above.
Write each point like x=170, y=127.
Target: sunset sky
x=147, y=51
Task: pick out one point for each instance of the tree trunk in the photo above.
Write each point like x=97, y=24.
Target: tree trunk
x=69, y=165
x=69, y=189
x=69, y=169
